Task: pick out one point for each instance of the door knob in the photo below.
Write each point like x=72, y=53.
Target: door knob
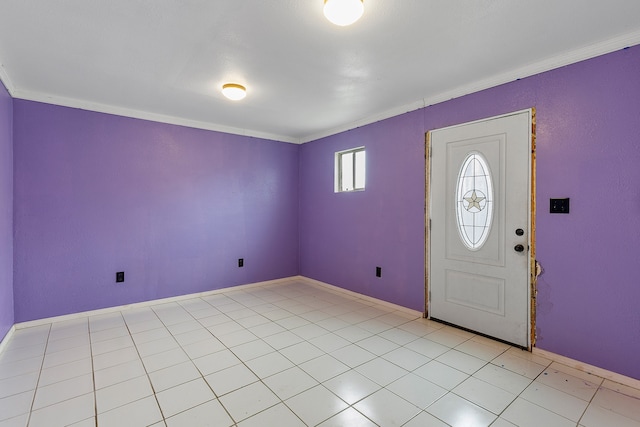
x=518, y=248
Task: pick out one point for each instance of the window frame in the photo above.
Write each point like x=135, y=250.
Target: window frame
x=338, y=170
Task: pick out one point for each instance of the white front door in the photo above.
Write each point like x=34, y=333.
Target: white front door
x=480, y=217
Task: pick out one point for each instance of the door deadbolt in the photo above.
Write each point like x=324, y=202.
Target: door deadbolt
x=519, y=232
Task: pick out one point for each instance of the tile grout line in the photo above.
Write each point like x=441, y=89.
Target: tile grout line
x=305, y=304
x=328, y=379
x=35, y=391
x=260, y=379
x=600, y=386
x=536, y=404
x=135, y=345
x=390, y=326
x=202, y=376
x=93, y=375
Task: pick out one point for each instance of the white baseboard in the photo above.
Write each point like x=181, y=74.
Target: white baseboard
x=303, y=279
x=339, y=290
x=584, y=367
x=589, y=369
x=313, y=282
x=107, y=310
x=7, y=337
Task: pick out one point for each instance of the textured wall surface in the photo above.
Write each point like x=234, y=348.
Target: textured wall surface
x=172, y=207
x=588, y=137
x=345, y=236
x=6, y=212
x=589, y=150
x=175, y=207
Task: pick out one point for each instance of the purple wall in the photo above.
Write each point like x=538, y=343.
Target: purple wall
x=6, y=212
x=175, y=207
x=588, y=137
x=172, y=207
x=344, y=236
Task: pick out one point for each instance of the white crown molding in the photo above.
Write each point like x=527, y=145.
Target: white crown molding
x=145, y=115
x=557, y=61
x=564, y=59
x=6, y=81
x=366, y=121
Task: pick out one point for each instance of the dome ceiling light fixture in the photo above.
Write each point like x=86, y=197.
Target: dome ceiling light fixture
x=234, y=91
x=343, y=12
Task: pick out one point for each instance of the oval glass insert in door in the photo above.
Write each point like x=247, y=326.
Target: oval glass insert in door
x=474, y=201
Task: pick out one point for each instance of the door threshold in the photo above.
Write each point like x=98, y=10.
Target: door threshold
x=478, y=333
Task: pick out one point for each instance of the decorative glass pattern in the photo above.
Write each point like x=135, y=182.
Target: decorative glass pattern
x=474, y=201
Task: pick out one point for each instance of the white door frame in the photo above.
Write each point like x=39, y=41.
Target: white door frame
x=532, y=252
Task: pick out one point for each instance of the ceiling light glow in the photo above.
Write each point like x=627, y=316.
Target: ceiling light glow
x=234, y=91
x=343, y=12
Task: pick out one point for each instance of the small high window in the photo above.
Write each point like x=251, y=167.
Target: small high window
x=350, y=170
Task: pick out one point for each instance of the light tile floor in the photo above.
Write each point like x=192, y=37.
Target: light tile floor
x=289, y=354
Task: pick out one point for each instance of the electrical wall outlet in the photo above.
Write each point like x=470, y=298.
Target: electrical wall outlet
x=120, y=276
x=560, y=206
x=378, y=271
x=240, y=262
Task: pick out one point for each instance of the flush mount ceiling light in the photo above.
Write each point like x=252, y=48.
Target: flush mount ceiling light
x=343, y=12
x=234, y=91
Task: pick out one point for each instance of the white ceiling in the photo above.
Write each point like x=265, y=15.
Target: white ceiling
x=166, y=60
